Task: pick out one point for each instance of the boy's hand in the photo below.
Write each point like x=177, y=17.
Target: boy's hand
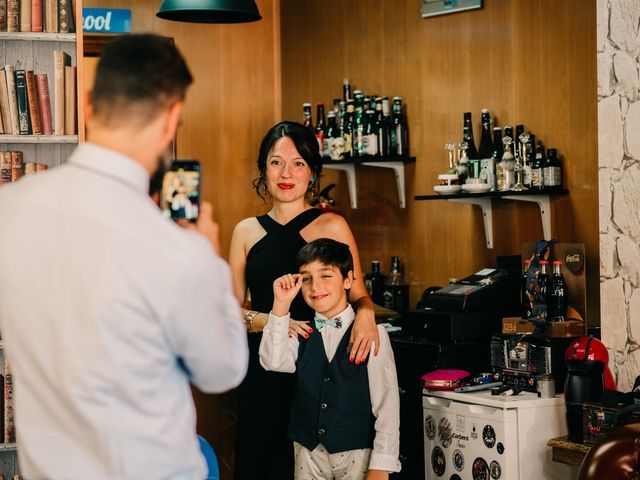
x=285, y=289
x=377, y=475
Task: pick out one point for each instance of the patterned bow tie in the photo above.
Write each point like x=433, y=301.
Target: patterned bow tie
x=333, y=322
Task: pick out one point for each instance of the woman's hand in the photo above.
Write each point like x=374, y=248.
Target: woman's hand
x=363, y=334
x=296, y=327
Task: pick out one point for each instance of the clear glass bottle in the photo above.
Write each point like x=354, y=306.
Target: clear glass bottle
x=558, y=295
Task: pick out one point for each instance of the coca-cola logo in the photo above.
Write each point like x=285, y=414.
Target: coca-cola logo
x=574, y=260
x=595, y=429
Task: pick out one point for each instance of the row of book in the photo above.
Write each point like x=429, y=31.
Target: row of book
x=7, y=419
x=25, y=103
x=51, y=16
x=13, y=167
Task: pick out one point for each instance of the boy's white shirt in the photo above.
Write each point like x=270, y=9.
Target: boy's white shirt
x=279, y=353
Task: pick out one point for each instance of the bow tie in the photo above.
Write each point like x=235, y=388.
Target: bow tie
x=333, y=322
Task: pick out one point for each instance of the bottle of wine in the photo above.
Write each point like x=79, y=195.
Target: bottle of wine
x=537, y=170
x=306, y=116
x=333, y=142
x=347, y=130
x=358, y=125
x=346, y=90
x=486, y=146
x=398, y=132
x=320, y=126
x=473, y=169
x=370, y=137
x=552, y=170
x=382, y=129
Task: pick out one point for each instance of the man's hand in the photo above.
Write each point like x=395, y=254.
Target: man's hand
x=285, y=289
x=377, y=475
x=205, y=225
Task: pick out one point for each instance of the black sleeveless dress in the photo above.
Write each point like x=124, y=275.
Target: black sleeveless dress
x=263, y=451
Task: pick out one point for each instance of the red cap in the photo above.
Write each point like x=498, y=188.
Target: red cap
x=543, y=262
x=557, y=262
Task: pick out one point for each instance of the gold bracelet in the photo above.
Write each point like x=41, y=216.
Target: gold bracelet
x=248, y=320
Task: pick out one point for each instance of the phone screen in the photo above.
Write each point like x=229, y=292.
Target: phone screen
x=181, y=190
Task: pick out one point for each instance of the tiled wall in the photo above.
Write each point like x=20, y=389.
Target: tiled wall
x=618, y=46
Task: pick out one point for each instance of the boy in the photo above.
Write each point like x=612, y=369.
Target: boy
x=345, y=416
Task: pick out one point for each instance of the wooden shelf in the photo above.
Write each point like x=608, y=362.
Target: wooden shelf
x=483, y=200
x=38, y=36
x=38, y=138
x=349, y=167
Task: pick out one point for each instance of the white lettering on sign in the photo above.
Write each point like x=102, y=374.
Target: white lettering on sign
x=100, y=23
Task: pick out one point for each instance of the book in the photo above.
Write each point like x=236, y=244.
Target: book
x=13, y=16
x=29, y=168
x=69, y=100
x=44, y=103
x=60, y=60
x=51, y=16
x=36, y=15
x=32, y=97
x=63, y=15
x=5, y=167
x=24, y=124
x=11, y=95
x=3, y=15
x=9, y=422
x=17, y=166
x=25, y=15
x=41, y=167
x=4, y=103
x=1, y=122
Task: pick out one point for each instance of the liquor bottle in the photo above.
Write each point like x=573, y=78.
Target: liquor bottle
x=543, y=282
x=370, y=139
x=486, y=145
x=537, y=171
x=386, y=118
x=306, y=116
x=497, y=148
x=524, y=295
x=473, y=169
x=346, y=90
x=320, y=126
x=358, y=125
x=396, y=292
x=375, y=282
x=508, y=132
x=552, y=170
x=558, y=295
x=398, y=131
x=463, y=164
x=347, y=130
x=382, y=130
x=333, y=142
x=505, y=170
x=529, y=157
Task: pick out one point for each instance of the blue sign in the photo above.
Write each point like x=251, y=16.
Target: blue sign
x=106, y=20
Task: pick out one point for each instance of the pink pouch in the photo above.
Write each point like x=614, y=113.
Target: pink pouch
x=444, y=379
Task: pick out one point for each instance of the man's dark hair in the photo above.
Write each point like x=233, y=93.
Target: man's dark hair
x=307, y=145
x=328, y=252
x=138, y=75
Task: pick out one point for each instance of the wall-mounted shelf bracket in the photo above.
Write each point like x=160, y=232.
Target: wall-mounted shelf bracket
x=350, y=170
x=398, y=169
x=487, y=215
x=544, y=203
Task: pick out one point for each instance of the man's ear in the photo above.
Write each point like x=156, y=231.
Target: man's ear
x=172, y=118
x=348, y=281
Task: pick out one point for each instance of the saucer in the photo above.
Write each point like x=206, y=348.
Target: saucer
x=476, y=187
x=446, y=189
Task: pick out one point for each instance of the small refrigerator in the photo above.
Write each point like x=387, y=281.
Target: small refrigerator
x=478, y=436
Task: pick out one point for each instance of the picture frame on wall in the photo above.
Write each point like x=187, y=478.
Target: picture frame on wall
x=431, y=8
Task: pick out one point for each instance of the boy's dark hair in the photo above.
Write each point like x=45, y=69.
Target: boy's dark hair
x=307, y=145
x=137, y=76
x=328, y=252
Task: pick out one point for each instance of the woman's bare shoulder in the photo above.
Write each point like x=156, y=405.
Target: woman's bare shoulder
x=330, y=225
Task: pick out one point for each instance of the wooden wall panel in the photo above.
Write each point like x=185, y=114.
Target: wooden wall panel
x=528, y=62
x=235, y=98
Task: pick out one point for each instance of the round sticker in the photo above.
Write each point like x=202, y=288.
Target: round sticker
x=458, y=460
x=430, y=427
x=438, y=461
x=480, y=469
x=445, y=433
x=500, y=448
x=495, y=470
x=455, y=476
x=489, y=436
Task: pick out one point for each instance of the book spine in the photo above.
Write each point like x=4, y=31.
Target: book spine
x=23, y=102
x=3, y=15
x=63, y=16
x=13, y=101
x=69, y=100
x=51, y=16
x=36, y=15
x=5, y=111
x=13, y=16
x=5, y=167
x=58, y=91
x=17, y=166
x=32, y=97
x=1, y=121
x=25, y=15
x=44, y=103
x=9, y=425
x=29, y=168
x=41, y=167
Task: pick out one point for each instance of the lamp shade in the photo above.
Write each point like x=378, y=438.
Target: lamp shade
x=209, y=11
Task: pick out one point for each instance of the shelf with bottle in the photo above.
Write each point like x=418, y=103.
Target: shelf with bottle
x=395, y=163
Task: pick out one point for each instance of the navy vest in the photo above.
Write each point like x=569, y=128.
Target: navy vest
x=331, y=402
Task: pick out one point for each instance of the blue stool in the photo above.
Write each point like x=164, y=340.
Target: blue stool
x=212, y=460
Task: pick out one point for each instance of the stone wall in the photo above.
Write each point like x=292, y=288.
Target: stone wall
x=618, y=46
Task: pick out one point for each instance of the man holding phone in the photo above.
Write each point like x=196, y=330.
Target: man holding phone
x=108, y=318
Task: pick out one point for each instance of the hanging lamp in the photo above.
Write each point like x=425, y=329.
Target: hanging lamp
x=209, y=11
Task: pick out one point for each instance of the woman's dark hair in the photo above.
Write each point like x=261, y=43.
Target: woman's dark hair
x=328, y=252
x=306, y=144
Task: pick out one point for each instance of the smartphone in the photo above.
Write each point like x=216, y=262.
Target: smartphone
x=181, y=191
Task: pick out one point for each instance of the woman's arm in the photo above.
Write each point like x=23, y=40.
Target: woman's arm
x=364, y=333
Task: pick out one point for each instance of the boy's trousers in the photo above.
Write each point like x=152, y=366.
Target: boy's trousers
x=322, y=465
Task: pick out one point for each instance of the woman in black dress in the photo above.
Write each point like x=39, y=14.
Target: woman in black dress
x=262, y=249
